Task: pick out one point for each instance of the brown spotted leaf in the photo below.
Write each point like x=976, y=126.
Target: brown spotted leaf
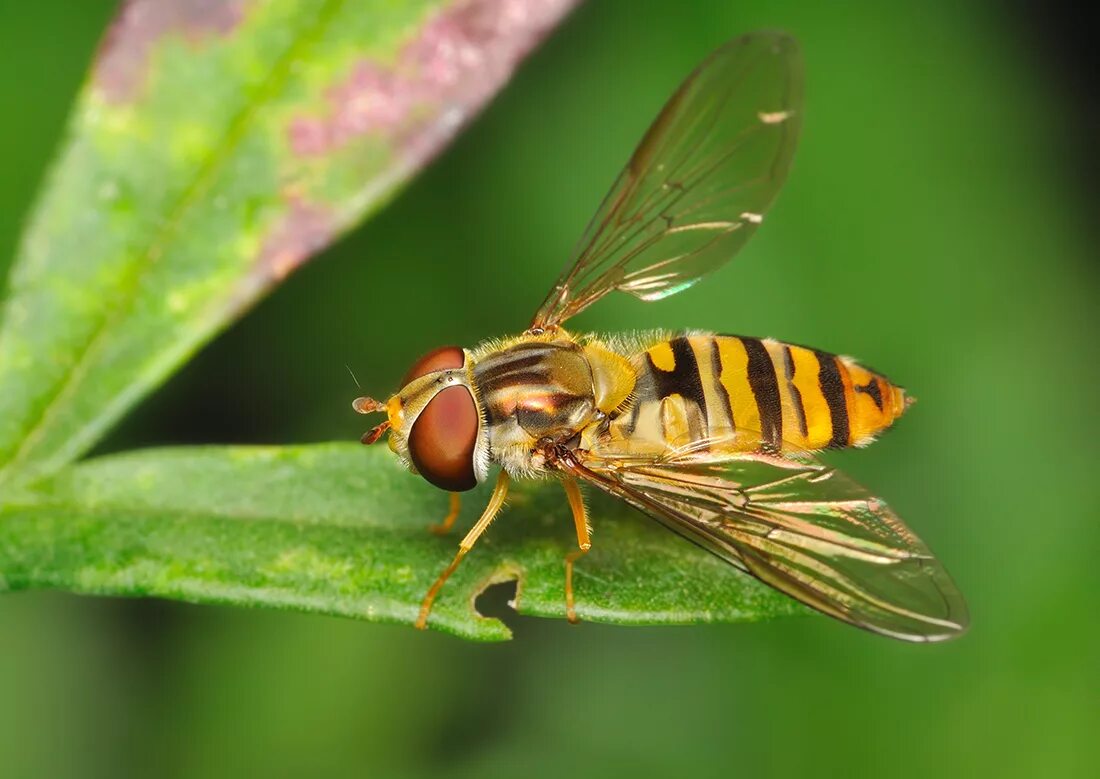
x=216, y=146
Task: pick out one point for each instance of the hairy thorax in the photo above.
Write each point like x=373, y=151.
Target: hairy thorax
x=539, y=389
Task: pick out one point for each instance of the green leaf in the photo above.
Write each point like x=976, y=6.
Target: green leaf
x=341, y=529
x=214, y=148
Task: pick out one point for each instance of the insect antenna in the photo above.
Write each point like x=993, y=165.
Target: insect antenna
x=357, y=384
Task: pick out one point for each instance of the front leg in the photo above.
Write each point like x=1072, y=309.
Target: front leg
x=444, y=527
x=496, y=501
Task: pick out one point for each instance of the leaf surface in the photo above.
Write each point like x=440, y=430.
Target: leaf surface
x=340, y=529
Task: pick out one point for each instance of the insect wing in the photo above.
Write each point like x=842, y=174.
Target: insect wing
x=699, y=183
x=801, y=527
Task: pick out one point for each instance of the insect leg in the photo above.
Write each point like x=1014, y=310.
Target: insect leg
x=445, y=526
x=496, y=501
x=584, y=541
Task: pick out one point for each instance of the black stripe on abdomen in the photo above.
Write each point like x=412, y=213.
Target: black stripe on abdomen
x=832, y=389
x=683, y=379
x=716, y=368
x=765, y=388
x=873, y=389
x=796, y=395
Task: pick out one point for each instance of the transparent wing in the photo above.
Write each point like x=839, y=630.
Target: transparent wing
x=799, y=526
x=698, y=184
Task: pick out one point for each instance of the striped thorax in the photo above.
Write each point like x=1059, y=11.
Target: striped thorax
x=547, y=388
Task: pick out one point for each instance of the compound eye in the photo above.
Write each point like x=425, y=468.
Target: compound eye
x=436, y=360
x=442, y=440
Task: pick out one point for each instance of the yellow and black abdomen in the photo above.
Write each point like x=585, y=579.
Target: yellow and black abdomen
x=769, y=394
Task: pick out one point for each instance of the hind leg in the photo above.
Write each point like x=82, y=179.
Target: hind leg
x=584, y=541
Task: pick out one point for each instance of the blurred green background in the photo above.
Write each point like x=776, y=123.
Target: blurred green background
x=936, y=225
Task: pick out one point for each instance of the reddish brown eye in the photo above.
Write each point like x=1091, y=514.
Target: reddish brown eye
x=442, y=440
x=436, y=360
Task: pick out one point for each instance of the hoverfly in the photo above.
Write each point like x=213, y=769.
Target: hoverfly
x=709, y=434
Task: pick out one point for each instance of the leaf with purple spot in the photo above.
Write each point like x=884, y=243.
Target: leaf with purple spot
x=218, y=145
